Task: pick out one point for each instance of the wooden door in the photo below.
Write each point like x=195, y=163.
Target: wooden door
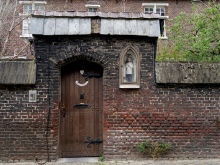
x=81, y=119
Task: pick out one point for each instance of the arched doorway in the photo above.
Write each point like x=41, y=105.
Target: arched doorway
x=81, y=118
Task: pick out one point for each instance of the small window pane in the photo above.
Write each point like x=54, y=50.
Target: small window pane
x=162, y=26
x=158, y=11
x=149, y=10
x=25, y=31
x=25, y=27
x=162, y=12
x=39, y=7
x=27, y=9
x=92, y=9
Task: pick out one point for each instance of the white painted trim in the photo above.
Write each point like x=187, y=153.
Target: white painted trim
x=155, y=4
x=26, y=35
x=24, y=15
x=31, y=2
x=164, y=17
x=92, y=6
x=132, y=86
x=163, y=38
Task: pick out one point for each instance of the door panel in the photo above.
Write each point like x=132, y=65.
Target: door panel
x=78, y=124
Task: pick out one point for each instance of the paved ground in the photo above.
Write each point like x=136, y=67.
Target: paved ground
x=129, y=162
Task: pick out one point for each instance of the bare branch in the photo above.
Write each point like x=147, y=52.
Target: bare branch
x=11, y=27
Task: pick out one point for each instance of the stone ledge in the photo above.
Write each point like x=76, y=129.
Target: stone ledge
x=187, y=73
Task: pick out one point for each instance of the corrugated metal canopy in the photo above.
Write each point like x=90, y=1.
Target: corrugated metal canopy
x=17, y=72
x=79, y=23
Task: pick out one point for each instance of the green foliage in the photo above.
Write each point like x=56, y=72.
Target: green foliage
x=195, y=36
x=169, y=53
x=154, y=149
x=102, y=158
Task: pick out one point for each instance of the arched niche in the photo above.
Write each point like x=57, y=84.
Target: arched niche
x=129, y=68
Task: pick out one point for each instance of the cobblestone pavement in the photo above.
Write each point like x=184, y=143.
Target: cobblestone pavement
x=130, y=162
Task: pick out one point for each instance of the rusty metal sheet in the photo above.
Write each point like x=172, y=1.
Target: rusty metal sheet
x=17, y=72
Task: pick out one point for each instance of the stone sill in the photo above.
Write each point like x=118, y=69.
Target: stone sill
x=187, y=73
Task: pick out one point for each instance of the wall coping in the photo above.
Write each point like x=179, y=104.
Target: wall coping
x=17, y=72
x=187, y=73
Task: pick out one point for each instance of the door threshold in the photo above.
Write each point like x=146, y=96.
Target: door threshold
x=80, y=159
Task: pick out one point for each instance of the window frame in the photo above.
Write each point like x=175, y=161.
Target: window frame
x=155, y=6
x=89, y=6
x=26, y=16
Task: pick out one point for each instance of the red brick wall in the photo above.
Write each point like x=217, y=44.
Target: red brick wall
x=185, y=116
x=16, y=43
x=114, y=6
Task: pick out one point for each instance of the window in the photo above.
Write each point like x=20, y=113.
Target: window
x=28, y=8
x=25, y=27
x=158, y=8
x=129, y=70
x=92, y=8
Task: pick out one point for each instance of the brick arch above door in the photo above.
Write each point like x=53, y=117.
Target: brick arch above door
x=64, y=61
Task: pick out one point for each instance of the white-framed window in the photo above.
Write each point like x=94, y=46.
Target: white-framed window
x=29, y=7
x=92, y=8
x=25, y=27
x=158, y=8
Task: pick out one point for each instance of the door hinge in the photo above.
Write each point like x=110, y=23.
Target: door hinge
x=91, y=141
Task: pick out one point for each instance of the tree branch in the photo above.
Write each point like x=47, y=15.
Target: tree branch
x=11, y=28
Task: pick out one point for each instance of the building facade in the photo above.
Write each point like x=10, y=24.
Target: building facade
x=92, y=89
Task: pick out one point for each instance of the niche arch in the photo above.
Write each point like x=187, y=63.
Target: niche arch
x=129, y=76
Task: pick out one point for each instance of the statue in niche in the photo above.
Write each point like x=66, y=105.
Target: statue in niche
x=129, y=68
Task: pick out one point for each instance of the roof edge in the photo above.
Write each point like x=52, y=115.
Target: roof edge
x=125, y=15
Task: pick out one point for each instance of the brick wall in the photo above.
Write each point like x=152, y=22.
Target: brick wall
x=17, y=44
x=23, y=124
x=184, y=116
x=116, y=6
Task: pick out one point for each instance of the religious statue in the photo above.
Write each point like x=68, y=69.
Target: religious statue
x=129, y=67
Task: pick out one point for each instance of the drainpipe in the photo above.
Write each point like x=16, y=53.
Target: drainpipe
x=154, y=48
